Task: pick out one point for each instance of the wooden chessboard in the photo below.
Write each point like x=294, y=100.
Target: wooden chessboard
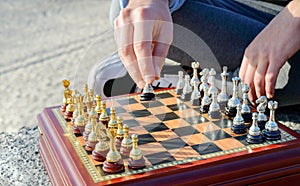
x=179, y=144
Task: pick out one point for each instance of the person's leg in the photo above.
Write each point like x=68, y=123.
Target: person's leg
x=216, y=33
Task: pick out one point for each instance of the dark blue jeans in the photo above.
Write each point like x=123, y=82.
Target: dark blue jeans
x=217, y=32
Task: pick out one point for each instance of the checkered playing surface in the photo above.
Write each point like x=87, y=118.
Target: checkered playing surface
x=171, y=130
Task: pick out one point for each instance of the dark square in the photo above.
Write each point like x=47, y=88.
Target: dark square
x=145, y=138
x=184, y=131
x=180, y=106
x=151, y=104
x=120, y=110
x=159, y=158
x=127, y=101
x=206, y=148
x=242, y=139
x=131, y=123
x=216, y=135
x=167, y=116
x=164, y=95
x=155, y=127
x=196, y=119
x=224, y=123
x=140, y=113
x=175, y=143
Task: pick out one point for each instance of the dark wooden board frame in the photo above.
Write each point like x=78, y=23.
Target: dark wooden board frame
x=273, y=164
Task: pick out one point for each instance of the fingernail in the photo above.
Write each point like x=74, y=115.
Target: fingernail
x=149, y=79
x=141, y=84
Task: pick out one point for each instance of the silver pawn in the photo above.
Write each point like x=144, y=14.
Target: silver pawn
x=205, y=102
x=180, y=83
x=195, y=66
x=204, y=75
x=246, y=111
x=187, y=89
x=223, y=96
x=195, y=97
x=211, y=81
x=254, y=134
x=214, y=108
x=238, y=125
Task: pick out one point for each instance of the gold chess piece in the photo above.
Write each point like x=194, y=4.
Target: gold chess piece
x=101, y=148
x=126, y=144
x=80, y=121
x=92, y=137
x=136, y=158
x=120, y=132
x=98, y=104
x=67, y=94
x=104, y=118
x=113, y=162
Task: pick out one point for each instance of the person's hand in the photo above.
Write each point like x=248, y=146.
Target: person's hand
x=268, y=52
x=144, y=32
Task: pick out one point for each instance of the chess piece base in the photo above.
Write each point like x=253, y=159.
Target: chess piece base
x=76, y=131
x=238, y=129
x=85, y=135
x=99, y=156
x=230, y=111
x=254, y=139
x=90, y=146
x=125, y=151
x=247, y=117
x=195, y=102
x=178, y=91
x=68, y=116
x=271, y=135
x=222, y=105
x=261, y=124
x=136, y=164
x=63, y=108
x=147, y=96
x=204, y=109
x=113, y=167
x=186, y=97
x=214, y=114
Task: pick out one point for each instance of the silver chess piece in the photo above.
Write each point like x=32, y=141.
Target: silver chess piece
x=261, y=108
x=238, y=125
x=214, y=108
x=195, y=97
x=205, y=102
x=246, y=111
x=231, y=109
x=204, y=75
x=187, y=89
x=180, y=83
x=195, y=66
x=254, y=134
x=223, y=96
x=271, y=131
x=211, y=81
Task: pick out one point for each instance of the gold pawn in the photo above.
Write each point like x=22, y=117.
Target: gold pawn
x=104, y=116
x=126, y=142
x=120, y=132
x=98, y=104
x=113, y=121
x=135, y=153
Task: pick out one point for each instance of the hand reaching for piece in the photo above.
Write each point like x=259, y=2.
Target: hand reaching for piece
x=144, y=32
x=268, y=52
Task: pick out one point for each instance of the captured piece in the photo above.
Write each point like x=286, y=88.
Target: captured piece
x=187, y=89
x=113, y=163
x=230, y=109
x=254, y=135
x=148, y=93
x=126, y=144
x=261, y=108
x=238, y=125
x=214, y=108
x=195, y=97
x=136, y=158
x=246, y=111
x=223, y=96
x=180, y=83
x=271, y=131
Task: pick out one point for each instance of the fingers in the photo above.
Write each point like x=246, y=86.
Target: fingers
x=143, y=49
x=248, y=78
x=259, y=78
x=160, y=51
x=270, y=79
